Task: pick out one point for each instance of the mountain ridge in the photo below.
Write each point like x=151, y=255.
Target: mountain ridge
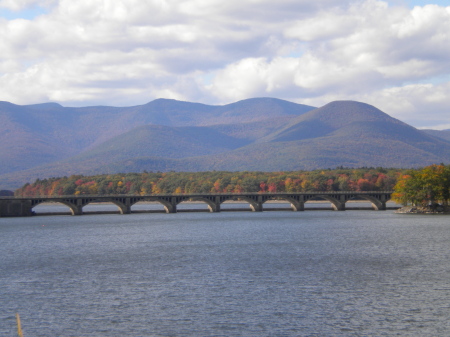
x=264, y=135
x=70, y=131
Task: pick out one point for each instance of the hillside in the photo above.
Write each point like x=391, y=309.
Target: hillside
x=34, y=135
x=341, y=133
x=444, y=134
x=161, y=141
x=332, y=116
x=344, y=133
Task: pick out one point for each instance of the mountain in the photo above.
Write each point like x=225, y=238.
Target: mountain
x=342, y=133
x=346, y=133
x=444, y=134
x=34, y=135
x=331, y=117
x=260, y=134
x=161, y=141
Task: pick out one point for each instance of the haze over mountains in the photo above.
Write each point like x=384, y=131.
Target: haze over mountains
x=266, y=134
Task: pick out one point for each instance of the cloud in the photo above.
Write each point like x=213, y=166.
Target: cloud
x=126, y=52
x=425, y=105
x=367, y=52
x=251, y=76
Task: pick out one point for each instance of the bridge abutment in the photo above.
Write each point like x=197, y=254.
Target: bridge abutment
x=13, y=208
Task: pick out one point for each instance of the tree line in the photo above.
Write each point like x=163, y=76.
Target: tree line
x=147, y=183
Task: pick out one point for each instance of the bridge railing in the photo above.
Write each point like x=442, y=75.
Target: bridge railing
x=192, y=195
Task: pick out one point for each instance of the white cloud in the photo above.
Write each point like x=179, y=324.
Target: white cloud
x=424, y=105
x=255, y=77
x=131, y=51
x=328, y=25
x=375, y=61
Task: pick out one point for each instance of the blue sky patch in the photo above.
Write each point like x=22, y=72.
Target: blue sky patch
x=27, y=14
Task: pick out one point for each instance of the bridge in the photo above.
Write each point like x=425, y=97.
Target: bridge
x=10, y=206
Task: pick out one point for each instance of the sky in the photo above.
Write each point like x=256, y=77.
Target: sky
x=392, y=54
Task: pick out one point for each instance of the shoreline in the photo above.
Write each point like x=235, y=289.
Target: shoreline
x=424, y=210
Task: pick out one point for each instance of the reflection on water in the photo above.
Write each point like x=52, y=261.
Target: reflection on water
x=355, y=273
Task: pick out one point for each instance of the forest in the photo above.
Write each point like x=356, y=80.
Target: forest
x=424, y=187
x=148, y=183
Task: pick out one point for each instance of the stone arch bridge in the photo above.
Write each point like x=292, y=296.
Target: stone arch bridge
x=10, y=206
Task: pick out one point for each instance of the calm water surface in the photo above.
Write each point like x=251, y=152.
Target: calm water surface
x=323, y=273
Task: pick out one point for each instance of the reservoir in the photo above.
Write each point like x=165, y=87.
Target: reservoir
x=326, y=273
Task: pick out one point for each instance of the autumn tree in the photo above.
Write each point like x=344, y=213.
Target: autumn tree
x=424, y=187
x=147, y=183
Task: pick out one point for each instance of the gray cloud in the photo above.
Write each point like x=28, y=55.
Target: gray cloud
x=126, y=52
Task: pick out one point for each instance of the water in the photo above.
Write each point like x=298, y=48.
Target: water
x=354, y=273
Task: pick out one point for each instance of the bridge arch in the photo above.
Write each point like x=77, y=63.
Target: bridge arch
x=123, y=209
x=168, y=206
x=255, y=206
x=146, y=206
x=76, y=205
x=336, y=204
x=377, y=204
x=295, y=204
x=72, y=207
x=212, y=206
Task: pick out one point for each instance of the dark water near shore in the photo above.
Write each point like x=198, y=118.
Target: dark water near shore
x=354, y=273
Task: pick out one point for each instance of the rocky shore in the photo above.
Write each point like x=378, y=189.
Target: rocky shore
x=439, y=209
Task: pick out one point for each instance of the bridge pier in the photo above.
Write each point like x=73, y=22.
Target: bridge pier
x=124, y=205
x=126, y=209
x=78, y=208
x=172, y=208
x=298, y=206
x=338, y=206
x=256, y=207
x=379, y=206
x=214, y=208
x=382, y=206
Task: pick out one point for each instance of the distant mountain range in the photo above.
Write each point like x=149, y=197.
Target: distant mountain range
x=265, y=134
